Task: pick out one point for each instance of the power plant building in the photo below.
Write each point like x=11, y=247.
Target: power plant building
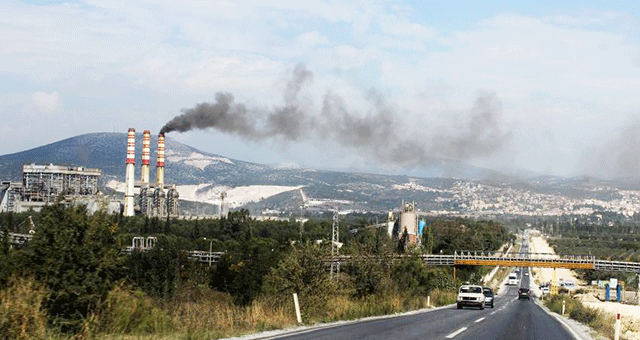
x=44, y=184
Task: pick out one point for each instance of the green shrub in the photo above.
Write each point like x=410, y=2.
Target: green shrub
x=443, y=297
x=301, y=271
x=583, y=314
x=76, y=257
x=127, y=311
x=574, y=309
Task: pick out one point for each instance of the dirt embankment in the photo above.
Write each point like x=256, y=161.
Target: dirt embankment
x=630, y=314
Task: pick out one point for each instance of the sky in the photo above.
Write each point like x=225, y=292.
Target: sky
x=547, y=87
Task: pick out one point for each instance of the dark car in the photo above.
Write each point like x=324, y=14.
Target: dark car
x=488, y=296
x=524, y=293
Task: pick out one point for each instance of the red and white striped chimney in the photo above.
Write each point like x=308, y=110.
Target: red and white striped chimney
x=160, y=168
x=146, y=151
x=130, y=172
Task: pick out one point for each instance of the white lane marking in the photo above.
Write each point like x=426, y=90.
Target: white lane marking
x=493, y=312
x=479, y=320
x=454, y=334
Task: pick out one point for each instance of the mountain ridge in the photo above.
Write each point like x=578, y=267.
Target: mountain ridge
x=323, y=189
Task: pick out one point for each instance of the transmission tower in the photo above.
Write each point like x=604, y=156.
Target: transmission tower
x=335, y=264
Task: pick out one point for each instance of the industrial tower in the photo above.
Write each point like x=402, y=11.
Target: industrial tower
x=130, y=173
x=335, y=264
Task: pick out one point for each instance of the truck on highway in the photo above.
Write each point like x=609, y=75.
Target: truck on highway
x=513, y=279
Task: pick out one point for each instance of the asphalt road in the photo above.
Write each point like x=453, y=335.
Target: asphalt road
x=510, y=319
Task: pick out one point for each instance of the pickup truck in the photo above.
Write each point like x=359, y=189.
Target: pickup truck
x=471, y=295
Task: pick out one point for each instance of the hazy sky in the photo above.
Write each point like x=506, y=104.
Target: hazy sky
x=551, y=87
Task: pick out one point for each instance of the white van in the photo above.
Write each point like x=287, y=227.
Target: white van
x=513, y=279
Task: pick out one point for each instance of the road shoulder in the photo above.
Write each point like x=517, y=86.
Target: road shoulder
x=305, y=329
x=578, y=330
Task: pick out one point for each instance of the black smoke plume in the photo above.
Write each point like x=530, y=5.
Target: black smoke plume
x=376, y=133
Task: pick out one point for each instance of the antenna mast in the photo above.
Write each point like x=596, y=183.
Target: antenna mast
x=335, y=264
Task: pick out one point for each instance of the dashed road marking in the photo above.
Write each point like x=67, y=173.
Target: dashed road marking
x=479, y=320
x=493, y=312
x=454, y=334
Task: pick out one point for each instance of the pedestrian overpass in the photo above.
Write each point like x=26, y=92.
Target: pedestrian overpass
x=537, y=260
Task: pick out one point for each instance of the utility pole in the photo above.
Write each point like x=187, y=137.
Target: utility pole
x=335, y=265
x=222, y=196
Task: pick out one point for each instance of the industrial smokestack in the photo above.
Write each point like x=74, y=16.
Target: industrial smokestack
x=160, y=169
x=146, y=150
x=130, y=172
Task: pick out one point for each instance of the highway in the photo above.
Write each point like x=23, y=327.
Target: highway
x=510, y=319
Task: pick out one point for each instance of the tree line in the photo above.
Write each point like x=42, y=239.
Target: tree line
x=78, y=258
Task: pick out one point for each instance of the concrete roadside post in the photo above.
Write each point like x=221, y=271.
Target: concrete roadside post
x=429, y=301
x=562, y=307
x=617, y=327
x=297, y=305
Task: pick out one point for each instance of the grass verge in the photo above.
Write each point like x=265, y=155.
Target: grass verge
x=195, y=312
x=594, y=318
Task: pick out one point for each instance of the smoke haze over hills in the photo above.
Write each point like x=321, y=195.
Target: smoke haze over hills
x=547, y=88
x=375, y=133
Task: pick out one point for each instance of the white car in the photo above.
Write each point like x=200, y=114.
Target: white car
x=471, y=295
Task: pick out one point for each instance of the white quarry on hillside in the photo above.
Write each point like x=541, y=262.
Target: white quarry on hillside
x=236, y=197
x=194, y=159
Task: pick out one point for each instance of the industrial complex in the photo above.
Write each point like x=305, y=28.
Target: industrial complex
x=46, y=184
x=150, y=199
